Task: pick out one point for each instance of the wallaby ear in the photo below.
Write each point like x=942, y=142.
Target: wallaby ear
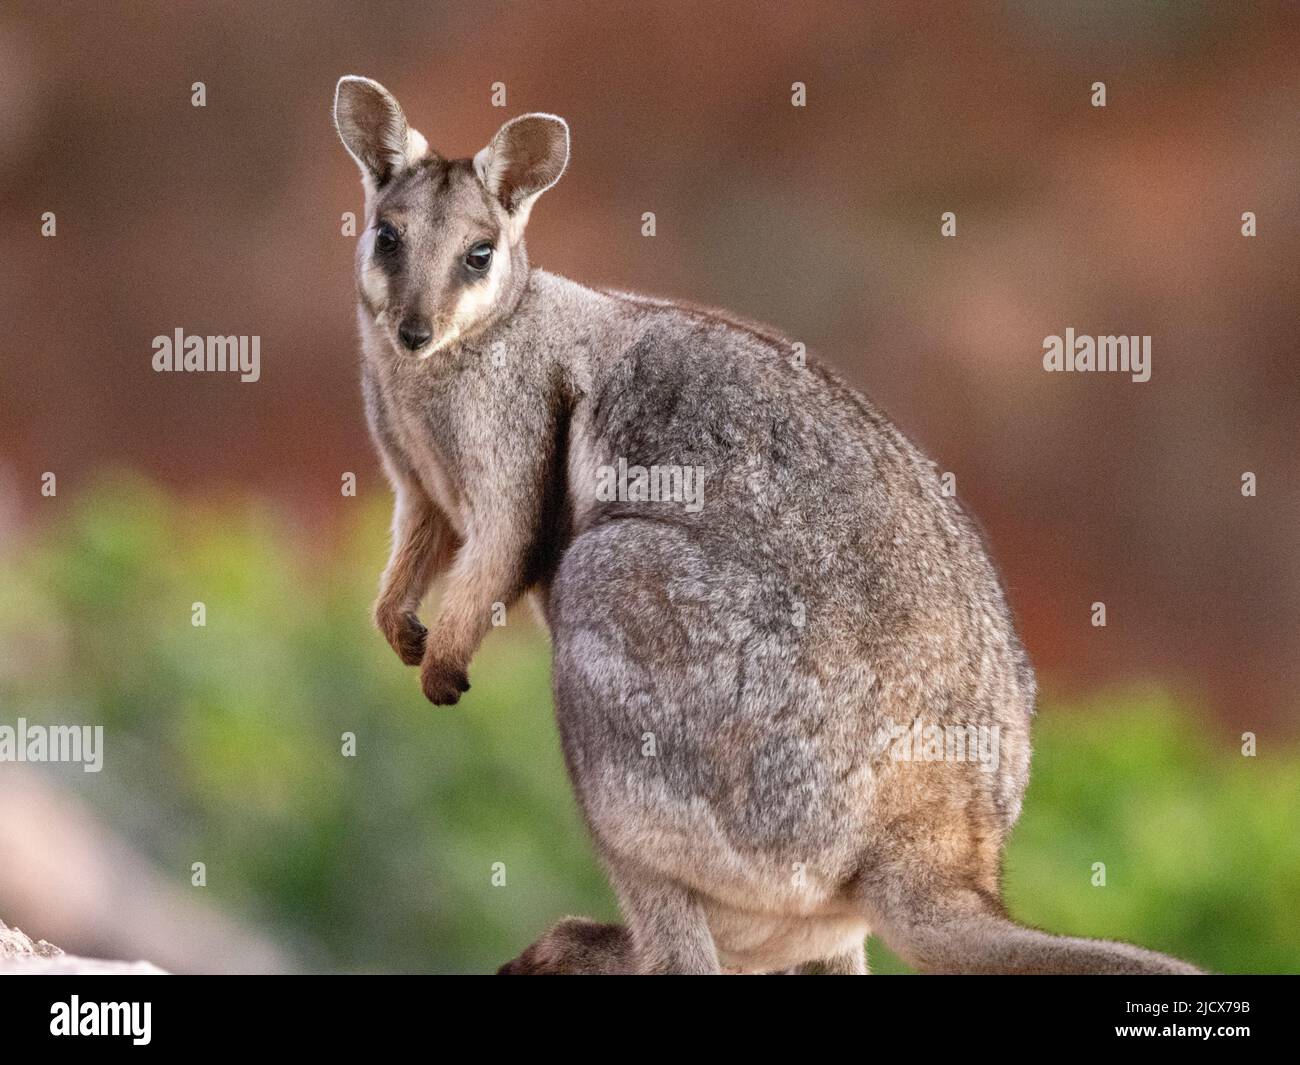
x=374, y=130
x=525, y=158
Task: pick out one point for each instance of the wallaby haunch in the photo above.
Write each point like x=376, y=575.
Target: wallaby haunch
x=723, y=673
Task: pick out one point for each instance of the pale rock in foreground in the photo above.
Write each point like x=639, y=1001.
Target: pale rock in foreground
x=19, y=956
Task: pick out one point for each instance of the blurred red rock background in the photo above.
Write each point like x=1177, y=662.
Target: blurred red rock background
x=822, y=220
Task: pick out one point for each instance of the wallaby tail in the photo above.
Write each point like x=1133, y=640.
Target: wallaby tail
x=973, y=935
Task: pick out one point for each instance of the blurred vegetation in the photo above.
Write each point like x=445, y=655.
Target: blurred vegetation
x=223, y=745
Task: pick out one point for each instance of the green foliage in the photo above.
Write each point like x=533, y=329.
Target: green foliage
x=223, y=745
x=1200, y=844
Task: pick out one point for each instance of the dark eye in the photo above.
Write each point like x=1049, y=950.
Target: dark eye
x=479, y=257
x=385, y=237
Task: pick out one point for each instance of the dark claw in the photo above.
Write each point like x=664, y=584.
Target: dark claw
x=411, y=640
x=442, y=684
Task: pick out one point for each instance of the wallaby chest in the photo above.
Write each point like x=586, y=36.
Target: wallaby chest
x=413, y=417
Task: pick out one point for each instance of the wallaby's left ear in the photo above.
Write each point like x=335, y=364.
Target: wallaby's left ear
x=374, y=130
x=525, y=158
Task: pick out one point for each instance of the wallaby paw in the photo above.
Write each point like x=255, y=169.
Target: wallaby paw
x=442, y=682
x=520, y=966
x=574, y=947
x=405, y=634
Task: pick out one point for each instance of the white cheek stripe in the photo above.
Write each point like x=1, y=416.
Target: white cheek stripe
x=475, y=303
x=374, y=283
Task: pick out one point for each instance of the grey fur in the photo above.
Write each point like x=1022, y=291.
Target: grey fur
x=722, y=676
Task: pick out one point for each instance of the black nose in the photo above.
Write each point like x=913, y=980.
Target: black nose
x=415, y=333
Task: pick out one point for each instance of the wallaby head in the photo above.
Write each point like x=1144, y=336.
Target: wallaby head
x=442, y=255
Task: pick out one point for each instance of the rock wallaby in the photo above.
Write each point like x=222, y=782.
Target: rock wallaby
x=789, y=692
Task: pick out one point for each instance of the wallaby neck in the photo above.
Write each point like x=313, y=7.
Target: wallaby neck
x=557, y=325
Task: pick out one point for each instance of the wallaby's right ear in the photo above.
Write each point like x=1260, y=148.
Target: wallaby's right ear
x=525, y=158
x=374, y=130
